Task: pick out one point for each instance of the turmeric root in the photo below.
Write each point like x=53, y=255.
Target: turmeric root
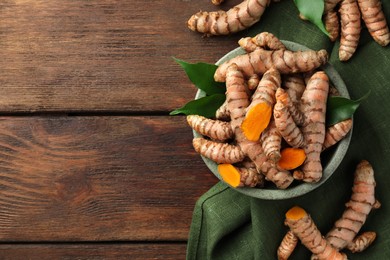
x=263, y=40
x=362, y=201
x=271, y=141
x=282, y=96
x=291, y=158
x=222, y=112
x=295, y=86
x=314, y=108
x=215, y=129
x=332, y=24
x=280, y=177
x=361, y=242
x=287, y=246
x=253, y=81
x=234, y=20
x=238, y=177
x=285, y=61
x=259, y=111
x=236, y=95
x=375, y=20
x=287, y=127
x=302, y=225
x=217, y=2
x=336, y=132
x=218, y=152
x=331, y=19
x=350, y=28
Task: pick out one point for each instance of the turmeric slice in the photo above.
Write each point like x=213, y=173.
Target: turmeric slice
x=229, y=174
x=291, y=158
x=256, y=120
x=238, y=177
x=259, y=111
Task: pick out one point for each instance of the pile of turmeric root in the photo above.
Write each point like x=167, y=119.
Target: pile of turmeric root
x=342, y=19
x=344, y=233
x=272, y=124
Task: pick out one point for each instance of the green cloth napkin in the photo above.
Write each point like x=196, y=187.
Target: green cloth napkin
x=229, y=225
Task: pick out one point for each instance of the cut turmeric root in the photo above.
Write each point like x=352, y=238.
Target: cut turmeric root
x=256, y=120
x=291, y=158
x=238, y=177
x=302, y=225
x=259, y=112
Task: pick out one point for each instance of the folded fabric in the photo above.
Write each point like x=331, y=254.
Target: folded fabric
x=229, y=225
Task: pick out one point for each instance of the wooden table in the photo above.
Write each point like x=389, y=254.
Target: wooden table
x=91, y=164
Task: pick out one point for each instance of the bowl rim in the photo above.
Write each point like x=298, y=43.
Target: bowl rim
x=334, y=161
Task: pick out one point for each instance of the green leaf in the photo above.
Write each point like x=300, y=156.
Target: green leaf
x=312, y=10
x=205, y=106
x=202, y=75
x=340, y=109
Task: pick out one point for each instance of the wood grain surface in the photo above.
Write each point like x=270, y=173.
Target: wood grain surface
x=133, y=251
x=91, y=166
x=100, y=55
x=98, y=179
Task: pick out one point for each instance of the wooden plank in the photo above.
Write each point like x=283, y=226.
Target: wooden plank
x=100, y=55
x=98, y=178
x=113, y=251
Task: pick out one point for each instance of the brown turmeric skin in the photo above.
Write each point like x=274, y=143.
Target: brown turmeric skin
x=361, y=202
x=263, y=40
x=285, y=61
x=375, y=20
x=234, y=20
x=302, y=225
x=314, y=108
x=271, y=141
x=350, y=28
x=286, y=126
x=218, y=152
x=287, y=246
x=215, y=129
x=336, y=132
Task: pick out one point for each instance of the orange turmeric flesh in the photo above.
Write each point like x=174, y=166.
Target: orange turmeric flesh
x=291, y=158
x=229, y=174
x=295, y=213
x=256, y=120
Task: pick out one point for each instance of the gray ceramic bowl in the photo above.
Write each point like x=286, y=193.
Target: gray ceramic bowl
x=330, y=159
